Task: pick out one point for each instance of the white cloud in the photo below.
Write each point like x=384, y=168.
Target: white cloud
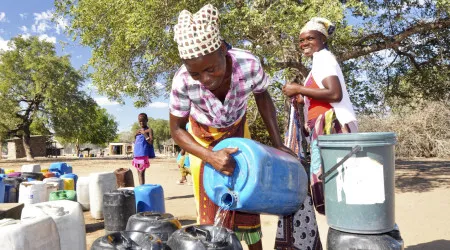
x=61, y=24
x=103, y=101
x=42, y=21
x=23, y=15
x=24, y=29
x=158, y=105
x=45, y=37
x=4, y=44
x=43, y=16
x=40, y=27
x=2, y=17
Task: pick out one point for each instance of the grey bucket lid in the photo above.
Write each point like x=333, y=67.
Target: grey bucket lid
x=362, y=139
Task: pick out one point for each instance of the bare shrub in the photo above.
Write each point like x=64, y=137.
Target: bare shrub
x=421, y=132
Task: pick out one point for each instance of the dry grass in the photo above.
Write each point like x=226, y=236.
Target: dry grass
x=420, y=132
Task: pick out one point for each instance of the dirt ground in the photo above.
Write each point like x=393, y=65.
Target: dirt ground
x=422, y=201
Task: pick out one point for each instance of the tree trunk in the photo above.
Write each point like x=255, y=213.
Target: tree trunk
x=77, y=148
x=27, y=143
x=1, y=148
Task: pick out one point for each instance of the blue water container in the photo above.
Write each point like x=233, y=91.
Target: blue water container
x=57, y=174
x=265, y=180
x=60, y=167
x=3, y=176
x=71, y=176
x=68, y=170
x=7, y=193
x=149, y=198
x=2, y=190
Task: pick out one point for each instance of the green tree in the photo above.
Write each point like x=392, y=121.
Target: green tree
x=390, y=51
x=388, y=48
x=39, y=92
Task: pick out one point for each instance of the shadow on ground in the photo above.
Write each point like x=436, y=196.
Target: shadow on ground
x=421, y=176
x=434, y=245
x=92, y=227
x=180, y=197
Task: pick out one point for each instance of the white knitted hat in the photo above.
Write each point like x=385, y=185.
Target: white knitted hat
x=198, y=34
x=320, y=24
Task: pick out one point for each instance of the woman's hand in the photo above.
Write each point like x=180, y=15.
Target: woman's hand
x=222, y=160
x=291, y=89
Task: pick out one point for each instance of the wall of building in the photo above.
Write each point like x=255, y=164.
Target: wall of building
x=37, y=144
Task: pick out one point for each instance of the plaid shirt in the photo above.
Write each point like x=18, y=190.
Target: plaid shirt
x=189, y=97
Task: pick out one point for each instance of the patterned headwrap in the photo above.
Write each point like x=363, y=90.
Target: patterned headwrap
x=198, y=34
x=320, y=24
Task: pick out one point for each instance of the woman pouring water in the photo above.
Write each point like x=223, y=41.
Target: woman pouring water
x=211, y=91
x=328, y=110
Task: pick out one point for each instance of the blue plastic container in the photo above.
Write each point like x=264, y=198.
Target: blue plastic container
x=71, y=176
x=265, y=180
x=60, y=167
x=7, y=193
x=149, y=198
x=57, y=174
x=3, y=176
x=2, y=190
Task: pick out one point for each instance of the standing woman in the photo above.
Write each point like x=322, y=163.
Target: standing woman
x=328, y=111
x=211, y=91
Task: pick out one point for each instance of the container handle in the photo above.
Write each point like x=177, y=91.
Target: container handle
x=128, y=242
x=203, y=232
x=355, y=150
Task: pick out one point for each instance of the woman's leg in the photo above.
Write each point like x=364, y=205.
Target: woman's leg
x=256, y=246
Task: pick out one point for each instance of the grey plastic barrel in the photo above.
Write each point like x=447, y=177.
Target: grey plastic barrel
x=360, y=192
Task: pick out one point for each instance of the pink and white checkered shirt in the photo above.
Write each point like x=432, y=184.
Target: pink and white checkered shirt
x=189, y=97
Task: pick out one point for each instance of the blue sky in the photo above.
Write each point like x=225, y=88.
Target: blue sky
x=33, y=18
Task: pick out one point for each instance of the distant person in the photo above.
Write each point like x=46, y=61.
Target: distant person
x=328, y=110
x=143, y=147
x=183, y=165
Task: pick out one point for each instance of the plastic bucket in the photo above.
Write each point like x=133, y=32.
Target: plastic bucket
x=358, y=173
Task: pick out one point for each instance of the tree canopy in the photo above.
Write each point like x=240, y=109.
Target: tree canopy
x=40, y=92
x=390, y=51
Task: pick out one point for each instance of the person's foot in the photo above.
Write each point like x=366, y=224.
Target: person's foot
x=182, y=182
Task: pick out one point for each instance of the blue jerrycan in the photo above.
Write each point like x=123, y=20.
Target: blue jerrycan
x=265, y=180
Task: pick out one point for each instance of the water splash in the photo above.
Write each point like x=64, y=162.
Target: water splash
x=219, y=220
